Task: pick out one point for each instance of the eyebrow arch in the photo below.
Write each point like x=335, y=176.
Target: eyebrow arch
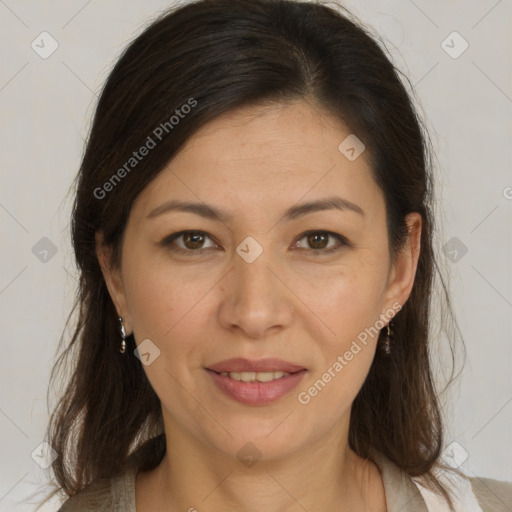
x=210, y=212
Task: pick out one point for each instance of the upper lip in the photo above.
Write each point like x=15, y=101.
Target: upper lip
x=239, y=364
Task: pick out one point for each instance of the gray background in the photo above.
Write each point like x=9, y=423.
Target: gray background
x=46, y=107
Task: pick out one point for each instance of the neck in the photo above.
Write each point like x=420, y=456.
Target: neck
x=326, y=476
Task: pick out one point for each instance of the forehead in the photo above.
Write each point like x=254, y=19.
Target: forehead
x=267, y=156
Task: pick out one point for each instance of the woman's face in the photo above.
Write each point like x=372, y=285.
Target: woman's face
x=254, y=285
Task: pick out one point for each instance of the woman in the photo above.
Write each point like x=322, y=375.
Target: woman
x=253, y=227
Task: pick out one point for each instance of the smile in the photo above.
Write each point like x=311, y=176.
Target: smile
x=256, y=388
x=255, y=376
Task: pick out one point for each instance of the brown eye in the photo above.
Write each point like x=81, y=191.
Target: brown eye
x=318, y=241
x=193, y=240
x=190, y=241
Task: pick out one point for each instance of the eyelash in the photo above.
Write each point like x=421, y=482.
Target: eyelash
x=169, y=242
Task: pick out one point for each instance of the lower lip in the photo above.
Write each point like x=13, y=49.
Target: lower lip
x=256, y=393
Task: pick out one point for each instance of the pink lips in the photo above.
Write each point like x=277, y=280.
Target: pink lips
x=256, y=393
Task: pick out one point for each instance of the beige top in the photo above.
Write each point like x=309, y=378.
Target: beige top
x=402, y=494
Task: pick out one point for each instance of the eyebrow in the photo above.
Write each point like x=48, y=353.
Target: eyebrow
x=294, y=212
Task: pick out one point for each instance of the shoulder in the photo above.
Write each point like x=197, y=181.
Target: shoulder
x=492, y=495
x=116, y=494
x=475, y=494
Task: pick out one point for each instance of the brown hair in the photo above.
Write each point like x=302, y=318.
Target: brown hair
x=220, y=55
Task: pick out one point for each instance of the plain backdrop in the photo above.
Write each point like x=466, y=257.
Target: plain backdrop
x=46, y=108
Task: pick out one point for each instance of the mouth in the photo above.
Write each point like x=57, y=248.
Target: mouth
x=256, y=382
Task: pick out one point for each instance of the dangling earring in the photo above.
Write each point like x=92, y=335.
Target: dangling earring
x=123, y=335
x=388, y=339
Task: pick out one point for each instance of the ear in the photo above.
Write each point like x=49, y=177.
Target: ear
x=113, y=280
x=403, y=271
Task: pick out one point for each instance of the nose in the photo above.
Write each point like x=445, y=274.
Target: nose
x=256, y=297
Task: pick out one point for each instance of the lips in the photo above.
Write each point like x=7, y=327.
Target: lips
x=256, y=393
x=259, y=366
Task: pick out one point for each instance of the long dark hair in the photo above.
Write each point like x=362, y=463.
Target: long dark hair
x=216, y=56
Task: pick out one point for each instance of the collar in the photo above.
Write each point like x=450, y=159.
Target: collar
x=402, y=494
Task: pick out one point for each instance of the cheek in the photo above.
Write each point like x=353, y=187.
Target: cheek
x=349, y=305
x=347, y=298
x=159, y=298
x=171, y=306
x=150, y=303
x=166, y=308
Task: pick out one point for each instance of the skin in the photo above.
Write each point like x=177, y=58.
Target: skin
x=291, y=303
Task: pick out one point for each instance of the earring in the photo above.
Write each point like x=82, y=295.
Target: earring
x=388, y=339
x=123, y=335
